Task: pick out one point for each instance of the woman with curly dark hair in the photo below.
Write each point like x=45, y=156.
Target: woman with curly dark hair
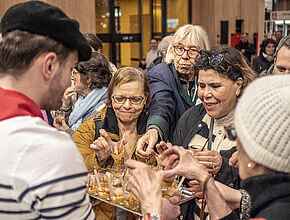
x=90, y=81
x=265, y=59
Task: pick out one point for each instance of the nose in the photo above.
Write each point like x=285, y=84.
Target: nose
x=207, y=92
x=127, y=104
x=185, y=55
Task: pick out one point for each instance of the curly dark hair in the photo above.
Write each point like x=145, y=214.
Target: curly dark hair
x=94, y=41
x=228, y=62
x=95, y=73
x=265, y=42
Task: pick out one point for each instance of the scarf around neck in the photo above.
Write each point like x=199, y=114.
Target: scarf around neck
x=14, y=103
x=86, y=106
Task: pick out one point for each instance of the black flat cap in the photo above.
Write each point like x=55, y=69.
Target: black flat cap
x=44, y=19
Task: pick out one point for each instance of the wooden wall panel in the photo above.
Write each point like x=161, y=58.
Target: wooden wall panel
x=81, y=10
x=210, y=13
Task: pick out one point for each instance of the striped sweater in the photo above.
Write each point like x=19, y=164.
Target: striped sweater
x=42, y=173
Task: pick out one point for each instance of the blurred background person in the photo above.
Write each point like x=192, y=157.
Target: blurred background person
x=90, y=81
x=281, y=58
x=97, y=45
x=125, y=115
x=173, y=86
x=262, y=63
x=162, y=51
x=278, y=36
x=152, y=53
x=245, y=47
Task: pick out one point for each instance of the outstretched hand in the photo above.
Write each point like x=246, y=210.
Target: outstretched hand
x=184, y=164
x=146, y=144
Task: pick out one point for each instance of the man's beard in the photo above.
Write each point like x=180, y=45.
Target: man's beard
x=53, y=99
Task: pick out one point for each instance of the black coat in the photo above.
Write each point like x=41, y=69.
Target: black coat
x=260, y=63
x=188, y=125
x=270, y=196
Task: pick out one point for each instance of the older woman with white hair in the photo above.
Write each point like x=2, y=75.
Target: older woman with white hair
x=262, y=128
x=173, y=86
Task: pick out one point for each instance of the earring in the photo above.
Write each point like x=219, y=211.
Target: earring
x=249, y=165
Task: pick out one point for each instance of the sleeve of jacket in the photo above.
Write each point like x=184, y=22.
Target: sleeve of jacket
x=83, y=138
x=227, y=174
x=162, y=108
x=255, y=65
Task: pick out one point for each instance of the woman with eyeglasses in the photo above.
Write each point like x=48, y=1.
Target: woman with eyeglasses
x=173, y=85
x=123, y=119
x=263, y=148
x=90, y=81
x=223, y=73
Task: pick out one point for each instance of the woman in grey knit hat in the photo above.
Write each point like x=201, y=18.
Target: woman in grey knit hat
x=262, y=125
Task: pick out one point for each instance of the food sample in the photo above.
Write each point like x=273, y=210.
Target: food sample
x=116, y=195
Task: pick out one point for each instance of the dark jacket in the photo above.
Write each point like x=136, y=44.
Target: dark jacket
x=189, y=125
x=270, y=197
x=249, y=49
x=169, y=99
x=156, y=61
x=260, y=63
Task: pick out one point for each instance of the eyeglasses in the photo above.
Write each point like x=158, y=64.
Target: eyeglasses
x=135, y=100
x=180, y=50
x=74, y=72
x=231, y=133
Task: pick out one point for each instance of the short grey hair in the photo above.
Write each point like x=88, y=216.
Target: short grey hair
x=195, y=34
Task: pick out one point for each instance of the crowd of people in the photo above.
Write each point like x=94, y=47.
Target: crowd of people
x=197, y=113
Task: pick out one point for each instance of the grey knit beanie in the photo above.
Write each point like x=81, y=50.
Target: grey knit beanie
x=262, y=122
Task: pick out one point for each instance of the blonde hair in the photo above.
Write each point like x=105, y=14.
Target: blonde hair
x=195, y=34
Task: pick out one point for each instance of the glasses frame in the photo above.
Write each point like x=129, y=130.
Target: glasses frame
x=141, y=99
x=74, y=72
x=186, y=50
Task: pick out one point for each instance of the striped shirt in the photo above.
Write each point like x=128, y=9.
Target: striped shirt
x=42, y=173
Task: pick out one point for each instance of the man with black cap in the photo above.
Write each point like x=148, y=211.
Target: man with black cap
x=42, y=174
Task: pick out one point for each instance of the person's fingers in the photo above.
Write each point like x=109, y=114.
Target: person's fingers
x=193, y=183
x=170, y=173
x=206, y=153
x=141, y=150
x=133, y=164
x=173, y=150
x=172, y=161
x=174, y=200
x=161, y=147
x=105, y=135
x=104, y=143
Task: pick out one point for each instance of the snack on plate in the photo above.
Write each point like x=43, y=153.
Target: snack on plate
x=116, y=195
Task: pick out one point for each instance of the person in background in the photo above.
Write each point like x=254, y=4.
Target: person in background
x=152, y=53
x=262, y=63
x=97, y=45
x=245, y=47
x=162, y=51
x=281, y=58
x=278, y=36
x=91, y=79
x=262, y=134
x=42, y=173
x=123, y=117
x=173, y=85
